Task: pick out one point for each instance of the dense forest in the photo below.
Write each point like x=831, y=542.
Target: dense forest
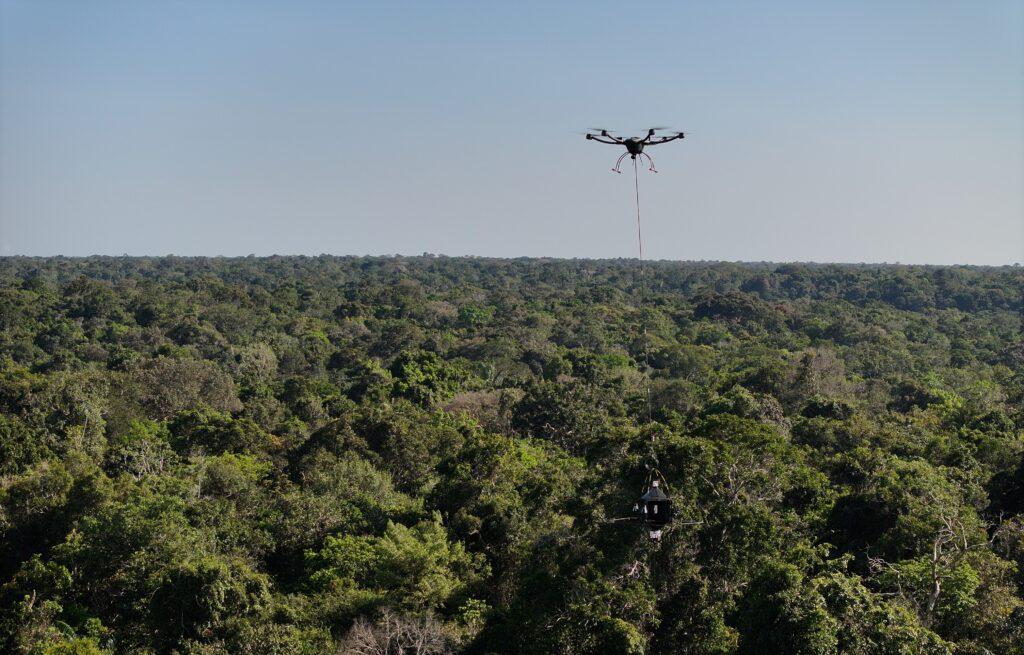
x=441, y=455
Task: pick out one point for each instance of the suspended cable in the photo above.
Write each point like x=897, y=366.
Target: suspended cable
x=643, y=294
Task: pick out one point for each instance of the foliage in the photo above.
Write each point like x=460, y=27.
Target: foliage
x=437, y=455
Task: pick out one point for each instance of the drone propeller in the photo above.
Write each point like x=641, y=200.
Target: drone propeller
x=600, y=130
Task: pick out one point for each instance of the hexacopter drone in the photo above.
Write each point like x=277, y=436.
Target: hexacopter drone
x=634, y=145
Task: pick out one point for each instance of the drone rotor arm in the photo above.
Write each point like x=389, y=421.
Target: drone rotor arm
x=664, y=139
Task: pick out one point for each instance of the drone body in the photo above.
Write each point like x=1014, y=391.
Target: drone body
x=634, y=145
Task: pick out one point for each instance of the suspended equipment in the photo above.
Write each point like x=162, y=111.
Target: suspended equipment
x=654, y=508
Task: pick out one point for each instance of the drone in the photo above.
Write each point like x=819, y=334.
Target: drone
x=634, y=145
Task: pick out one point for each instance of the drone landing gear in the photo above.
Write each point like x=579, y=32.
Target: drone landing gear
x=618, y=162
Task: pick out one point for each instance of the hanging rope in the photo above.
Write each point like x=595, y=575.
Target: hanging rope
x=643, y=299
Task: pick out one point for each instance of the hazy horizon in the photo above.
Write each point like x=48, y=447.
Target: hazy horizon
x=825, y=134
x=624, y=258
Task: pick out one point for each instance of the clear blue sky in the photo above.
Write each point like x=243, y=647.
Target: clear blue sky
x=824, y=131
